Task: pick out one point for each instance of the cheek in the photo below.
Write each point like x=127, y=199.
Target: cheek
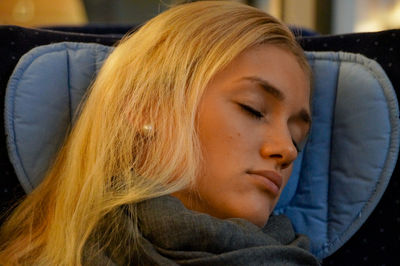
x=224, y=138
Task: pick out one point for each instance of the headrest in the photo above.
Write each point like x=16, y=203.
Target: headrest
x=337, y=180
x=351, y=152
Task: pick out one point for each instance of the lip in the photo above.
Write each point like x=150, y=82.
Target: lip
x=270, y=179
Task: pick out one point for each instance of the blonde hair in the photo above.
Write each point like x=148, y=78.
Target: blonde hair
x=156, y=76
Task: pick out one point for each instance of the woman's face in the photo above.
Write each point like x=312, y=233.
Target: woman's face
x=250, y=117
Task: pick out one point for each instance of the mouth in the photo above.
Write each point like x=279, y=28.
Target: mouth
x=269, y=180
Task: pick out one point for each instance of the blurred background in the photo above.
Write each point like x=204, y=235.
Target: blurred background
x=322, y=16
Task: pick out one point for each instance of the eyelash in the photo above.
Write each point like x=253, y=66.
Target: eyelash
x=258, y=115
x=296, y=146
x=254, y=113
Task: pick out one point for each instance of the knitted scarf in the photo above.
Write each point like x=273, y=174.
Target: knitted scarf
x=170, y=234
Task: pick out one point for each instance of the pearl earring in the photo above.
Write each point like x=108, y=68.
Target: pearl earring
x=148, y=129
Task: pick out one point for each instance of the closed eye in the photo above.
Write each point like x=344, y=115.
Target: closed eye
x=251, y=111
x=300, y=146
x=296, y=146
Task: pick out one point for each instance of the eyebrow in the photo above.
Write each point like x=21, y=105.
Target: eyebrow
x=279, y=95
x=268, y=87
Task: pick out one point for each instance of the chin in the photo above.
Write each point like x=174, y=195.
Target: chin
x=260, y=209
x=260, y=220
x=258, y=216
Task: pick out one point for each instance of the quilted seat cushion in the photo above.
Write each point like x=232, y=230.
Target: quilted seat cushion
x=337, y=180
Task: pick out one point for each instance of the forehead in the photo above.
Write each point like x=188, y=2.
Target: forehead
x=276, y=66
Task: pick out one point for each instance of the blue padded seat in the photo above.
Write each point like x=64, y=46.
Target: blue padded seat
x=337, y=180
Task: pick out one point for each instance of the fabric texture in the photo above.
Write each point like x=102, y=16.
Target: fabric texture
x=174, y=235
x=348, y=161
x=55, y=84
x=15, y=41
x=377, y=240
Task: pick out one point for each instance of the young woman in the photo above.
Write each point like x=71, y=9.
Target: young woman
x=182, y=149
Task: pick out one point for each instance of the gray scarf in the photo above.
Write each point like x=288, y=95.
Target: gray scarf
x=174, y=235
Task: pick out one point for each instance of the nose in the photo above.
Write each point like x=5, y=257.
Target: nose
x=280, y=148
